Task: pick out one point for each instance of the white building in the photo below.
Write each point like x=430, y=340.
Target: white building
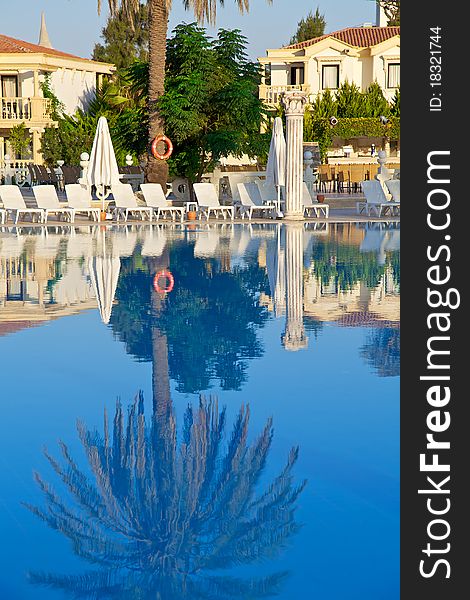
x=359, y=55
x=23, y=67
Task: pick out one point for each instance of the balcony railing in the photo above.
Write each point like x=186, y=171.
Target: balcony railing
x=271, y=94
x=17, y=110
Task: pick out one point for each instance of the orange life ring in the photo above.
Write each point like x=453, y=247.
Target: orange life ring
x=170, y=282
x=169, y=147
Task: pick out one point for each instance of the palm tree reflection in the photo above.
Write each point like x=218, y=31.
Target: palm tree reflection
x=161, y=515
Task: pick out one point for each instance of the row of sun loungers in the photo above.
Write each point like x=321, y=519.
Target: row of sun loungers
x=254, y=199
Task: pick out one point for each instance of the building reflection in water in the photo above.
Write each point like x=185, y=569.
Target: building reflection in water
x=338, y=273
x=163, y=514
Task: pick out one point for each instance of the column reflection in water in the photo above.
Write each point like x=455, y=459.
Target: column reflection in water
x=294, y=337
x=161, y=512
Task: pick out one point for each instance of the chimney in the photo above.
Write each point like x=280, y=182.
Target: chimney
x=380, y=17
x=43, y=35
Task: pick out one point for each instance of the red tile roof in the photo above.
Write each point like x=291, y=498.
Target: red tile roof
x=360, y=37
x=9, y=327
x=9, y=45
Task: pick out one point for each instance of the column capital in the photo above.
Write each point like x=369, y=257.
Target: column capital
x=294, y=102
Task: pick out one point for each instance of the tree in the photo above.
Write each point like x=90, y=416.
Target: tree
x=392, y=11
x=211, y=319
x=211, y=106
x=311, y=27
x=158, y=13
x=122, y=44
x=20, y=140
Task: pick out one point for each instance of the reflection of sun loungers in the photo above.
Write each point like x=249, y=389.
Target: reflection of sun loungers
x=206, y=244
x=154, y=242
x=124, y=243
x=79, y=245
x=47, y=245
x=11, y=245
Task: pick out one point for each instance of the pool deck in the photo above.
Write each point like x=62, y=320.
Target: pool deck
x=342, y=210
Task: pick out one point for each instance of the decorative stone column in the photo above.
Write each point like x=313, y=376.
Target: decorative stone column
x=37, y=133
x=294, y=102
x=294, y=337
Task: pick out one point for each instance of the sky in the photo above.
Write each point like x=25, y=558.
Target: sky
x=75, y=27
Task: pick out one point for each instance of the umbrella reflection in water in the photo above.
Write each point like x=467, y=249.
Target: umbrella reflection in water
x=104, y=269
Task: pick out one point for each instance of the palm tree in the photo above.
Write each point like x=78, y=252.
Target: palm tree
x=204, y=10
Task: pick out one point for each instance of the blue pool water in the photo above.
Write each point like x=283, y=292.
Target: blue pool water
x=250, y=447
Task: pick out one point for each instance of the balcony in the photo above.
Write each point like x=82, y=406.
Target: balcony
x=14, y=111
x=271, y=94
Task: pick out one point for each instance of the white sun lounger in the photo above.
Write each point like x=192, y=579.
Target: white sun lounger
x=79, y=198
x=47, y=200
x=252, y=202
x=393, y=186
x=376, y=200
x=14, y=204
x=155, y=198
x=126, y=203
x=208, y=201
x=311, y=208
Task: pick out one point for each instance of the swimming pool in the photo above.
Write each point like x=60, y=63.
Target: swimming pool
x=200, y=413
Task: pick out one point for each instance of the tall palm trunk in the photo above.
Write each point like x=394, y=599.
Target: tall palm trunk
x=157, y=170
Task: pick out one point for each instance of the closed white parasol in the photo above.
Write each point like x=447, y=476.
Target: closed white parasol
x=103, y=171
x=276, y=167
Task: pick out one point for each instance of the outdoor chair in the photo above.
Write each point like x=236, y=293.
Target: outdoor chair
x=14, y=204
x=393, y=186
x=356, y=176
x=376, y=200
x=47, y=200
x=126, y=203
x=269, y=193
x=313, y=208
x=79, y=198
x=70, y=174
x=32, y=174
x=208, y=201
x=44, y=176
x=155, y=198
x=252, y=202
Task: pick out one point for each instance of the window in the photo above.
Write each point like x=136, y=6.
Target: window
x=330, y=77
x=393, y=75
x=297, y=75
x=267, y=74
x=9, y=87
